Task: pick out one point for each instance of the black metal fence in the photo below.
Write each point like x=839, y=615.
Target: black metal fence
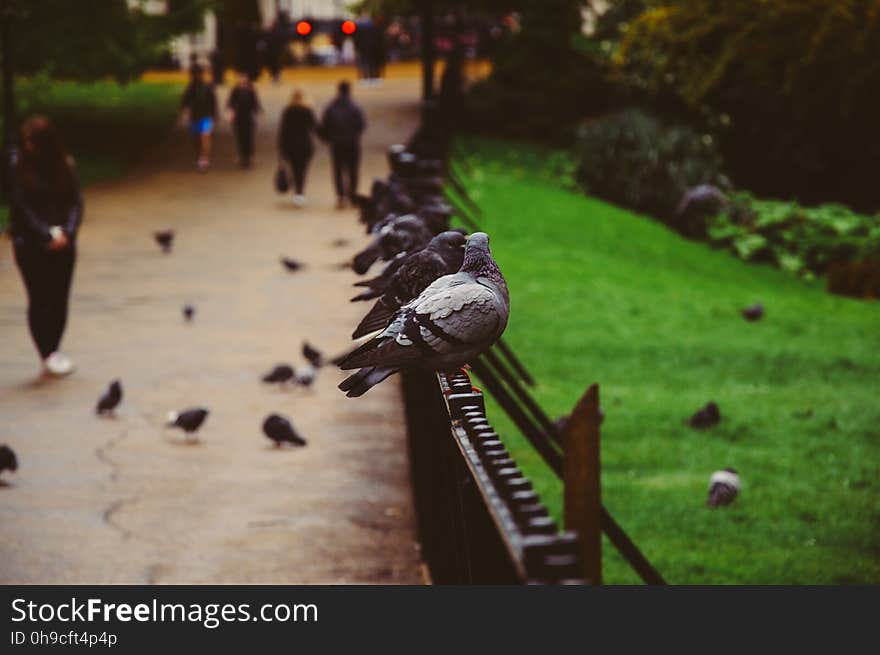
x=479, y=520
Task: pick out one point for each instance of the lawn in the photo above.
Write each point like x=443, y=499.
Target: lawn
x=107, y=126
x=600, y=294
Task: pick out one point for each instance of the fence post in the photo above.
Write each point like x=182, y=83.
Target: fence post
x=582, y=480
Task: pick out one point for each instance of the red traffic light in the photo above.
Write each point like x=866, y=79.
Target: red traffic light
x=349, y=27
x=304, y=28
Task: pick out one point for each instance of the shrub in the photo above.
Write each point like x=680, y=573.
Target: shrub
x=633, y=159
x=829, y=239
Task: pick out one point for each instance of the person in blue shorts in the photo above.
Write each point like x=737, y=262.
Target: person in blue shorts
x=199, y=106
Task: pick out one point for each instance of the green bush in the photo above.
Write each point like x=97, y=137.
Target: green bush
x=829, y=239
x=633, y=159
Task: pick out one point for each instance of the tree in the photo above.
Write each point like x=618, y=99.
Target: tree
x=796, y=78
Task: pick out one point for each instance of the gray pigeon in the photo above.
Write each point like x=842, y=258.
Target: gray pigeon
x=110, y=400
x=305, y=375
x=188, y=420
x=443, y=256
x=455, y=319
x=8, y=460
x=723, y=487
x=280, y=374
x=280, y=430
x=396, y=235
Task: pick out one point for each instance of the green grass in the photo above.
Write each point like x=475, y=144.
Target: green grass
x=600, y=294
x=107, y=126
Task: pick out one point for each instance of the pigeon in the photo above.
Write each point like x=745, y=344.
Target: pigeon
x=706, y=417
x=280, y=430
x=188, y=312
x=753, y=312
x=305, y=376
x=453, y=320
x=723, y=487
x=8, y=460
x=442, y=256
x=291, y=264
x=396, y=235
x=165, y=239
x=279, y=375
x=188, y=420
x=313, y=355
x=108, y=402
x=705, y=198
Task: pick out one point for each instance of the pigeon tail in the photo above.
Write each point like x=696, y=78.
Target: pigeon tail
x=367, y=295
x=365, y=379
x=367, y=257
x=376, y=319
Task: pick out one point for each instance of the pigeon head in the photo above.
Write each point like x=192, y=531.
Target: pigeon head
x=116, y=386
x=172, y=418
x=450, y=240
x=8, y=460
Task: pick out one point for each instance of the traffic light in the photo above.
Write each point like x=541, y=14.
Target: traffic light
x=348, y=27
x=303, y=28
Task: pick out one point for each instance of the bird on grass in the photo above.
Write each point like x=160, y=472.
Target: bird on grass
x=753, y=312
x=188, y=420
x=110, y=400
x=8, y=460
x=280, y=430
x=314, y=356
x=723, y=487
x=188, y=312
x=165, y=239
x=443, y=256
x=706, y=417
x=280, y=374
x=291, y=265
x=452, y=321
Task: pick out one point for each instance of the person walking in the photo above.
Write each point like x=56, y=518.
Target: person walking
x=46, y=208
x=341, y=127
x=243, y=106
x=199, y=108
x=295, y=141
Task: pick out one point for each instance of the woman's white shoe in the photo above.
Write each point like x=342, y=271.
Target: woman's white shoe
x=59, y=364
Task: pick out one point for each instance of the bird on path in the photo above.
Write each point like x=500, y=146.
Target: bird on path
x=709, y=415
x=313, y=355
x=110, y=400
x=452, y=321
x=291, y=264
x=8, y=460
x=753, y=312
x=165, y=239
x=280, y=430
x=305, y=375
x=280, y=374
x=442, y=256
x=188, y=312
x=188, y=420
x=723, y=487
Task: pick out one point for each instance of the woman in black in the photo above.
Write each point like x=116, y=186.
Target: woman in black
x=295, y=141
x=46, y=209
x=243, y=106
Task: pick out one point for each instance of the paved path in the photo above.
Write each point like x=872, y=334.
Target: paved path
x=124, y=501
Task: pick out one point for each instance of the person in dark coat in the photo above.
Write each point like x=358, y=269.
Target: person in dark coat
x=295, y=141
x=199, y=108
x=46, y=208
x=243, y=106
x=341, y=126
